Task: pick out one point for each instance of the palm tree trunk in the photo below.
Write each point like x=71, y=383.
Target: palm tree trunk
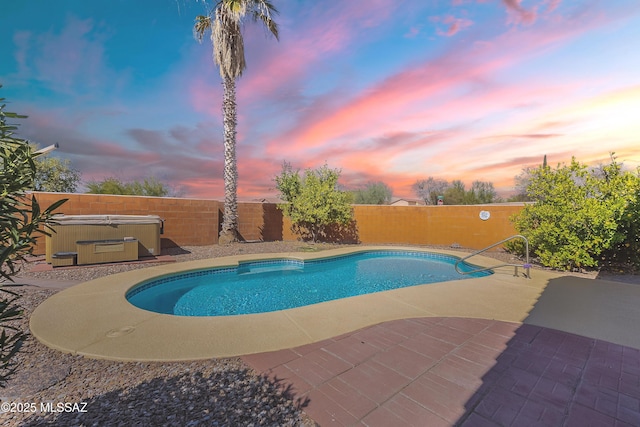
x=229, y=232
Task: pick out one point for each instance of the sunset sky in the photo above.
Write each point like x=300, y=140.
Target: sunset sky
x=385, y=90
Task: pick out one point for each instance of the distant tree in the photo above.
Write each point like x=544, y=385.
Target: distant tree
x=313, y=202
x=374, y=193
x=107, y=186
x=20, y=220
x=522, y=182
x=456, y=194
x=481, y=193
x=429, y=189
x=149, y=187
x=55, y=175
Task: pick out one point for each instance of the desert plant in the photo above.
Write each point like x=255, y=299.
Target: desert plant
x=21, y=219
x=314, y=203
x=578, y=215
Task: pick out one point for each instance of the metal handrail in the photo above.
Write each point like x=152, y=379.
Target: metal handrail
x=526, y=265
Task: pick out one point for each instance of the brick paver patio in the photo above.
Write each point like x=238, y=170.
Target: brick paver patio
x=459, y=371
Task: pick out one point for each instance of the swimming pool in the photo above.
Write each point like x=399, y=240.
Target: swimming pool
x=272, y=285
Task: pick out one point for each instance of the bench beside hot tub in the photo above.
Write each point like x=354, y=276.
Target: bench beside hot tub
x=109, y=238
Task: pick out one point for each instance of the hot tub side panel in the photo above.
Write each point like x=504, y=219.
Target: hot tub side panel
x=65, y=236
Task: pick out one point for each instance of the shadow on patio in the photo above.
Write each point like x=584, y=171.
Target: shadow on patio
x=583, y=372
x=477, y=372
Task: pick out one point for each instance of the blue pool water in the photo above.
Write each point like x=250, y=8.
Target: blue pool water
x=263, y=286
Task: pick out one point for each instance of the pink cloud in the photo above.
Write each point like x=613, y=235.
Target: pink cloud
x=454, y=25
x=518, y=14
x=408, y=126
x=175, y=156
x=413, y=32
x=461, y=84
x=390, y=99
x=552, y=5
x=202, y=188
x=73, y=56
x=256, y=175
x=274, y=66
x=383, y=108
x=204, y=87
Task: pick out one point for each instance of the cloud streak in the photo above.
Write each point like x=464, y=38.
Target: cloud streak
x=390, y=91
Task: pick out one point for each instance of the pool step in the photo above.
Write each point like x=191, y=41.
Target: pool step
x=267, y=268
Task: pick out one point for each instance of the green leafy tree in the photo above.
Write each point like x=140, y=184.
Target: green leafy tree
x=481, y=192
x=55, y=175
x=225, y=22
x=314, y=202
x=148, y=187
x=456, y=194
x=107, y=186
x=578, y=215
x=623, y=187
x=21, y=219
x=374, y=193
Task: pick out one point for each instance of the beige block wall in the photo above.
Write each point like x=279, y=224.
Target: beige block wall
x=195, y=222
x=435, y=225
x=430, y=225
x=186, y=221
x=259, y=221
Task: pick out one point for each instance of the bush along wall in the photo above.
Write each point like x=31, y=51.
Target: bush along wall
x=582, y=217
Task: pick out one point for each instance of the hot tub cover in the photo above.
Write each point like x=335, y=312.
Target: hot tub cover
x=61, y=219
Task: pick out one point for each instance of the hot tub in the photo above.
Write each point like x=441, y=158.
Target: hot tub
x=68, y=230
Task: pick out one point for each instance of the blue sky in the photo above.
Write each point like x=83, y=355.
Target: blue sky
x=385, y=90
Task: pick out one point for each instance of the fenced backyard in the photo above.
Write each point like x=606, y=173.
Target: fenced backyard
x=195, y=222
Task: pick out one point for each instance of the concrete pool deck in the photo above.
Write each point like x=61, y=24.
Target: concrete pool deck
x=94, y=319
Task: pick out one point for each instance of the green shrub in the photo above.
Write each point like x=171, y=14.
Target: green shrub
x=579, y=214
x=317, y=208
x=149, y=187
x=55, y=175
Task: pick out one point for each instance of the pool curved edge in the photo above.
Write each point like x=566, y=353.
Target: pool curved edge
x=94, y=318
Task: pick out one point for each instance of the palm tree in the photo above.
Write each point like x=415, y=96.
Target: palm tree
x=225, y=22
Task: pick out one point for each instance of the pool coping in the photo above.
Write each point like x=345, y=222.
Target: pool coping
x=94, y=319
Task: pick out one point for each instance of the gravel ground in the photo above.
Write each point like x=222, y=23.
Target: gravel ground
x=217, y=392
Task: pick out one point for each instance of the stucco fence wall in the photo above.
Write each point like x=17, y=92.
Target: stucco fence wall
x=195, y=222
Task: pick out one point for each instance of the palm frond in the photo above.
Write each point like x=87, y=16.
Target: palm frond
x=271, y=25
x=264, y=10
x=202, y=25
x=228, y=44
x=225, y=24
